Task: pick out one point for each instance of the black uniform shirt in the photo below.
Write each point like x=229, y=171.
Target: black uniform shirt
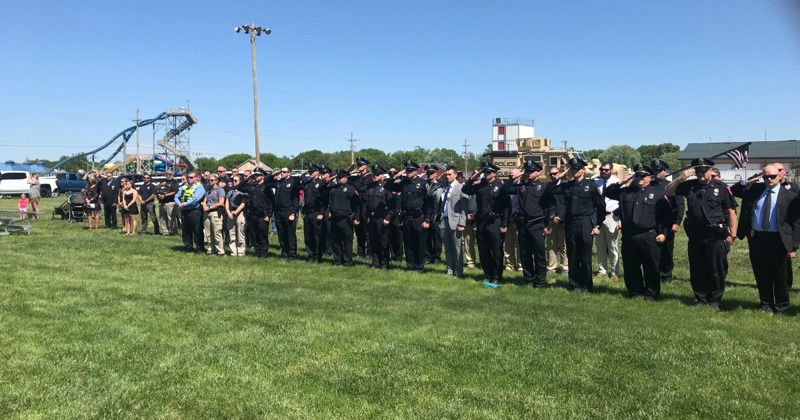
x=146, y=191
x=653, y=206
x=414, y=195
x=344, y=201
x=287, y=195
x=312, y=196
x=676, y=203
x=582, y=199
x=259, y=198
x=706, y=204
x=491, y=200
x=377, y=202
x=536, y=200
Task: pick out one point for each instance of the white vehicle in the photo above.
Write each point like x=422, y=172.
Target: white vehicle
x=16, y=183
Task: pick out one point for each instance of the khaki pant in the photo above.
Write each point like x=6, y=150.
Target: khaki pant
x=468, y=239
x=212, y=233
x=236, y=234
x=607, y=249
x=168, y=222
x=511, y=248
x=557, y=249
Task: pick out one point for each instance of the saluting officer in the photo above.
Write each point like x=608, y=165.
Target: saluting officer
x=344, y=212
x=287, y=203
x=359, y=181
x=667, y=259
x=646, y=217
x=329, y=178
x=582, y=212
x=258, y=207
x=433, y=238
x=313, y=207
x=395, y=231
x=416, y=213
x=711, y=227
x=378, y=215
x=491, y=218
x=536, y=204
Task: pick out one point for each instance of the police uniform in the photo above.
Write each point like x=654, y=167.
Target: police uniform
x=325, y=194
x=287, y=203
x=313, y=208
x=582, y=211
x=645, y=213
x=706, y=224
x=377, y=213
x=189, y=197
x=536, y=205
x=359, y=181
x=433, y=238
x=415, y=210
x=395, y=231
x=258, y=207
x=491, y=216
x=667, y=259
x=344, y=209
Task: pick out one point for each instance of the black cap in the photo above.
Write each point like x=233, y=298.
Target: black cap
x=702, y=163
x=341, y=173
x=643, y=170
x=531, y=166
x=489, y=167
x=325, y=170
x=378, y=170
x=576, y=164
x=659, y=165
x=259, y=172
x=429, y=169
x=361, y=161
x=411, y=166
x=313, y=168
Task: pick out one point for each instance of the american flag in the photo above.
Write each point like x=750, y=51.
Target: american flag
x=739, y=156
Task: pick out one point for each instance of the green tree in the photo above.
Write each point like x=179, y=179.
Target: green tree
x=648, y=152
x=671, y=159
x=234, y=160
x=374, y=156
x=206, y=164
x=623, y=154
x=593, y=154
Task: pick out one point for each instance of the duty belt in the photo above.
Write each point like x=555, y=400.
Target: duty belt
x=412, y=213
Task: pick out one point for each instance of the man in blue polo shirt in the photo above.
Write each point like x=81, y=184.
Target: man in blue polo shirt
x=188, y=199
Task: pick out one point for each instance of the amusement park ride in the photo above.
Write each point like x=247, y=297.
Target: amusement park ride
x=171, y=150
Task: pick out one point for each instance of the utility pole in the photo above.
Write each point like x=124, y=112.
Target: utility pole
x=253, y=31
x=564, y=142
x=138, y=155
x=466, y=169
x=352, y=149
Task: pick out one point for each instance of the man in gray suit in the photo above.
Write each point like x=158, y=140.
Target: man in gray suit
x=450, y=207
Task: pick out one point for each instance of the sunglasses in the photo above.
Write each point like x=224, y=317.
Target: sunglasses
x=284, y=172
x=770, y=177
x=605, y=170
x=220, y=171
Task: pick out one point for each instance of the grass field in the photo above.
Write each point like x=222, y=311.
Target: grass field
x=93, y=324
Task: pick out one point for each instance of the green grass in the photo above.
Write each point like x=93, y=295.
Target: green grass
x=93, y=324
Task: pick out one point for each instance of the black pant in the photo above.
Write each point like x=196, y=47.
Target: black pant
x=342, y=238
x=257, y=232
x=378, y=242
x=149, y=212
x=192, y=230
x=287, y=234
x=767, y=256
x=667, y=259
x=414, y=242
x=395, y=240
x=312, y=236
x=490, y=249
x=640, y=259
x=327, y=237
x=708, y=258
x=433, y=246
x=110, y=215
x=578, y=234
x=532, y=253
x=362, y=238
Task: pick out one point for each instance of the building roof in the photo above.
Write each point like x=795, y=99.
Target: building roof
x=37, y=167
x=758, y=149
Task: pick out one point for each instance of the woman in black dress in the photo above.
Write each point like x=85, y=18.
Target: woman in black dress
x=128, y=199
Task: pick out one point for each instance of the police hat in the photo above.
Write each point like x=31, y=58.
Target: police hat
x=361, y=162
x=411, y=166
x=643, y=170
x=313, y=168
x=659, y=165
x=576, y=164
x=702, y=163
x=531, y=166
x=429, y=169
x=325, y=170
x=378, y=170
x=341, y=173
x=259, y=172
x=489, y=167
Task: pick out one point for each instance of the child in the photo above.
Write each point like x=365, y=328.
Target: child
x=23, y=206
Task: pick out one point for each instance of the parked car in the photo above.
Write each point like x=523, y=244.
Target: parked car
x=70, y=182
x=16, y=183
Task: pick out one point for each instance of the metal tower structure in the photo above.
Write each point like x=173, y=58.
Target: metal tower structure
x=171, y=137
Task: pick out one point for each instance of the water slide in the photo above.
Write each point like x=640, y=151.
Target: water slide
x=128, y=132
x=161, y=161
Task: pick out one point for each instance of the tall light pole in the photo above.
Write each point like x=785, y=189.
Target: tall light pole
x=254, y=31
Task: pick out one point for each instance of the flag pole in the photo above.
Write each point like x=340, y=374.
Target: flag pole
x=712, y=157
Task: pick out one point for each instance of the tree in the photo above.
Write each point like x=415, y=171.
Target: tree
x=623, y=154
x=234, y=160
x=593, y=154
x=649, y=152
x=374, y=156
x=206, y=164
x=671, y=159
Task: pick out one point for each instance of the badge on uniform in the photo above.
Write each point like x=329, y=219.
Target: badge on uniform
x=650, y=196
x=495, y=188
x=418, y=185
x=381, y=189
x=316, y=185
x=787, y=186
x=288, y=185
x=344, y=189
x=538, y=187
x=586, y=189
x=716, y=192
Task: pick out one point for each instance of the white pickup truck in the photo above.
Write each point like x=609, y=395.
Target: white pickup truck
x=16, y=183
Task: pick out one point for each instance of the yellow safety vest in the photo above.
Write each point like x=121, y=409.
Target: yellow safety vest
x=188, y=192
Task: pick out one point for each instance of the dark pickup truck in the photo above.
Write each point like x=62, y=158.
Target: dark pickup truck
x=70, y=182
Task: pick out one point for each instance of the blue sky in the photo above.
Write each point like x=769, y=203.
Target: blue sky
x=398, y=74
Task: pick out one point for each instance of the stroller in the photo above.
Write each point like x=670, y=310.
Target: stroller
x=74, y=209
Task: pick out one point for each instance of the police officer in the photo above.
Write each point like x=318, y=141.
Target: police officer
x=329, y=183
x=313, y=207
x=359, y=181
x=667, y=259
x=646, y=217
x=395, y=233
x=536, y=204
x=378, y=214
x=433, y=238
x=344, y=212
x=711, y=227
x=491, y=219
x=258, y=208
x=416, y=213
x=582, y=212
x=188, y=200
x=287, y=204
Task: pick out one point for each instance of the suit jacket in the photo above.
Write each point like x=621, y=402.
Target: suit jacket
x=457, y=206
x=788, y=212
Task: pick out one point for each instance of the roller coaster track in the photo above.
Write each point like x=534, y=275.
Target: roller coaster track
x=128, y=132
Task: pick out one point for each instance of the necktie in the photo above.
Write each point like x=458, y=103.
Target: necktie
x=637, y=208
x=573, y=205
x=445, y=200
x=766, y=210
